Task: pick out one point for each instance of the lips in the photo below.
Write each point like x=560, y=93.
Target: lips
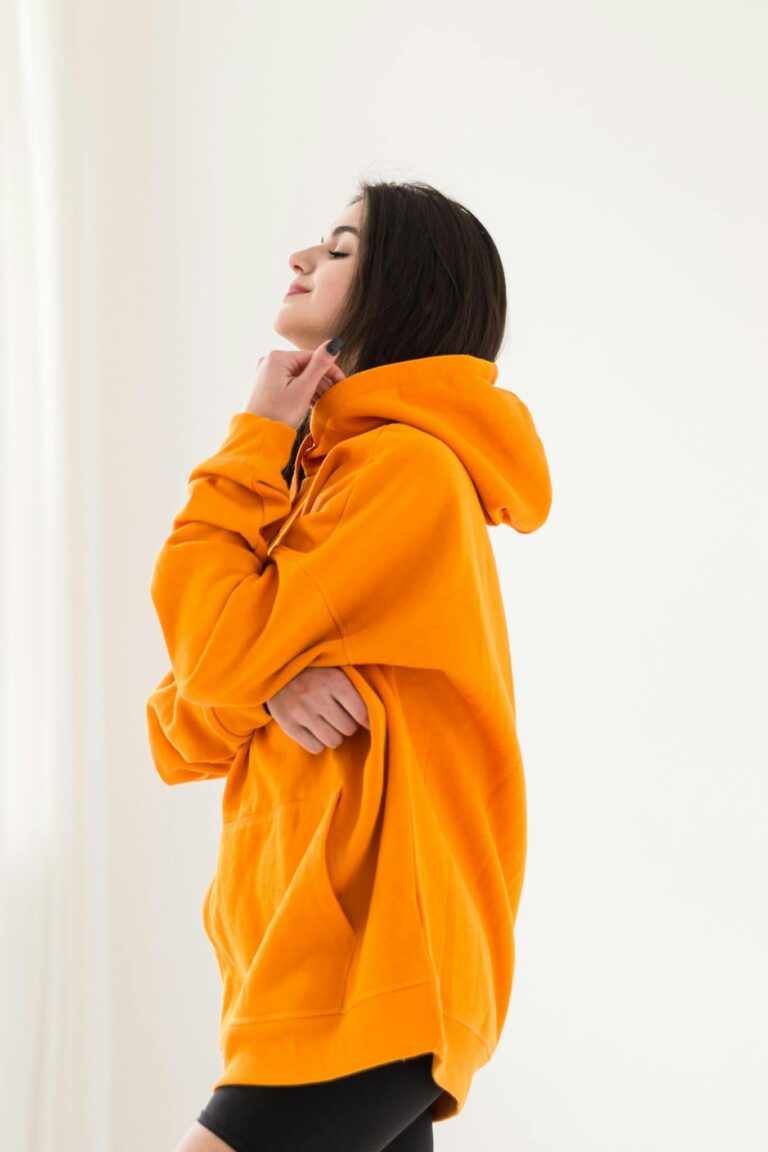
x=294, y=288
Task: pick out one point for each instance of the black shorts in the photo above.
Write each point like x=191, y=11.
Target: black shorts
x=386, y=1107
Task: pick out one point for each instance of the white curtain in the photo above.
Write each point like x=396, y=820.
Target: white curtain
x=55, y=1022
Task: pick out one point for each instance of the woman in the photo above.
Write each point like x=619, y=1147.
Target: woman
x=346, y=604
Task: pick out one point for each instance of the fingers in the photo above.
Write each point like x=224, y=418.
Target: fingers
x=307, y=738
x=344, y=693
x=323, y=359
x=320, y=366
x=323, y=387
x=319, y=708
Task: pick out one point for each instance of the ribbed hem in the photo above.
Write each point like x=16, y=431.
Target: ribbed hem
x=306, y=1049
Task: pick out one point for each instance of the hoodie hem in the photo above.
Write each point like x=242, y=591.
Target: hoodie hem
x=308, y=1049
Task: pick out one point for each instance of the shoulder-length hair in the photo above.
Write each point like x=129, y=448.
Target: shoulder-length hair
x=428, y=281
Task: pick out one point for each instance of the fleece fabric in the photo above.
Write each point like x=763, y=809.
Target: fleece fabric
x=363, y=905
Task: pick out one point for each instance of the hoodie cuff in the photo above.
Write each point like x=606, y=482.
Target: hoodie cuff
x=258, y=438
x=238, y=722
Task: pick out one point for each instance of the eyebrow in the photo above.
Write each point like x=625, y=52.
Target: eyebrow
x=338, y=231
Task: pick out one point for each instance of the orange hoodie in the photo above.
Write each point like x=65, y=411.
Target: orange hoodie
x=364, y=900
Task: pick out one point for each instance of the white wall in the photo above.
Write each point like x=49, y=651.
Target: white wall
x=616, y=152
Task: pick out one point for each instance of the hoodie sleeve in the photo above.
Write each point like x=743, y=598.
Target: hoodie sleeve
x=237, y=624
x=375, y=572
x=191, y=742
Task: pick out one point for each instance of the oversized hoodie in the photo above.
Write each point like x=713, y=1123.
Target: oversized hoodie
x=363, y=904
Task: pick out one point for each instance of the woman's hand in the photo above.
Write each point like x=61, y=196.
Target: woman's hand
x=288, y=382
x=318, y=708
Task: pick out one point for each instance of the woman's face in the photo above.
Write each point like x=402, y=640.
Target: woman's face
x=326, y=269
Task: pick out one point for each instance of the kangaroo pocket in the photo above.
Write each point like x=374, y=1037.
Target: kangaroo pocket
x=283, y=941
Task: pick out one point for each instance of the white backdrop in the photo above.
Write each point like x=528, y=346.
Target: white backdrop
x=158, y=163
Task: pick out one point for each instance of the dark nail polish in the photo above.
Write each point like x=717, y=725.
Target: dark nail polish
x=334, y=345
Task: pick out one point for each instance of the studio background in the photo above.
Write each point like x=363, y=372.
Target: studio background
x=158, y=163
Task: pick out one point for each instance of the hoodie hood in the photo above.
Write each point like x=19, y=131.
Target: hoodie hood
x=454, y=398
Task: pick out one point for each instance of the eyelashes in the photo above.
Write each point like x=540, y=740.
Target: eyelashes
x=338, y=253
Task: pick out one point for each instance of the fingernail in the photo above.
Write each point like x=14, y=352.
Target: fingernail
x=334, y=345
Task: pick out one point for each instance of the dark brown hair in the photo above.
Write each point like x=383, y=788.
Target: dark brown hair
x=428, y=281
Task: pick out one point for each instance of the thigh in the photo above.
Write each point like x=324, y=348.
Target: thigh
x=417, y=1137
x=367, y=1111
x=200, y=1139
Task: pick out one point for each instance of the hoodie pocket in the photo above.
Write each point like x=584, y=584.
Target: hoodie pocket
x=273, y=916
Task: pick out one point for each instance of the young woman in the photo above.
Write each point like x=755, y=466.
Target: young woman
x=339, y=653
